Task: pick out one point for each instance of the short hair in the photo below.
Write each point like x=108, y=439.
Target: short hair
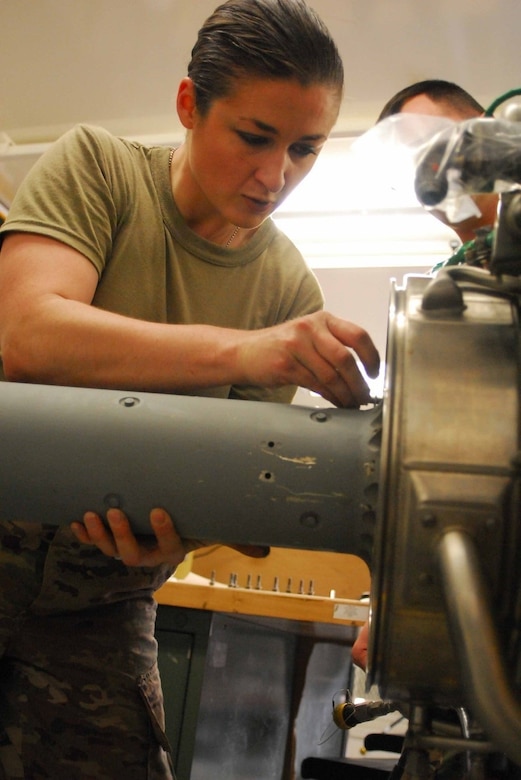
x=275, y=39
x=437, y=90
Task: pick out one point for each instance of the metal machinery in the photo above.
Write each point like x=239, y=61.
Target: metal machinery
x=445, y=634
x=424, y=486
x=447, y=552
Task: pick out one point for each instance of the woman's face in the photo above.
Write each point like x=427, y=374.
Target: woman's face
x=256, y=144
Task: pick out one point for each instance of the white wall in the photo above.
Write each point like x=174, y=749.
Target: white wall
x=118, y=62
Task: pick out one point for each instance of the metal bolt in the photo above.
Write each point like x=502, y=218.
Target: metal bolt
x=310, y=520
x=112, y=500
x=129, y=401
x=320, y=416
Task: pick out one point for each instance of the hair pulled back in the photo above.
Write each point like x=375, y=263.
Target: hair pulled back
x=271, y=39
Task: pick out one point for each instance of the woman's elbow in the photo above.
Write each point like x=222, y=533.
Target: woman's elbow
x=19, y=363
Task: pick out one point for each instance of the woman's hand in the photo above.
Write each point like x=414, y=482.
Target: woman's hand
x=318, y=352
x=119, y=541
x=165, y=546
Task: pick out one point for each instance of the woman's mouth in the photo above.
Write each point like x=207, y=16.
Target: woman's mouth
x=260, y=205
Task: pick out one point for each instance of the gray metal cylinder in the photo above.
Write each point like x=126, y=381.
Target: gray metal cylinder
x=228, y=471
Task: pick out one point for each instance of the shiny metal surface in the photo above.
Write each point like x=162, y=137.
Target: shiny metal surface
x=487, y=683
x=450, y=442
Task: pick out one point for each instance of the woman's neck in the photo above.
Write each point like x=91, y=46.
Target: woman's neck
x=196, y=210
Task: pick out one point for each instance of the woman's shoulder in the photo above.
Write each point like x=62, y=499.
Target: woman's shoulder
x=94, y=140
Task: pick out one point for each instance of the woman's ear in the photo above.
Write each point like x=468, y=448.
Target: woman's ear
x=186, y=102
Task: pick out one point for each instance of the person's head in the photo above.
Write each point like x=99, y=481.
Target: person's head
x=435, y=97
x=262, y=94
x=262, y=39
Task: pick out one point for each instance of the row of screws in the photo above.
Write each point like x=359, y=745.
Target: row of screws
x=234, y=583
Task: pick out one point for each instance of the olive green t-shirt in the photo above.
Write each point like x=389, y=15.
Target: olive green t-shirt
x=111, y=200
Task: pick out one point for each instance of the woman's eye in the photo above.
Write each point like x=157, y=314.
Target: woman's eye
x=252, y=139
x=303, y=150
x=257, y=140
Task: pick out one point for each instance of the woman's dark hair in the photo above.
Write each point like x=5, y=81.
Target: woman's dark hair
x=437, y=90
x=273, y=39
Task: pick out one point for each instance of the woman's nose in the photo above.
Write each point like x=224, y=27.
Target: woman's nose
x=272, y=172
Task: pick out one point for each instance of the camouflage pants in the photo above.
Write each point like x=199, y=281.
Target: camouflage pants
x=80, y=694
